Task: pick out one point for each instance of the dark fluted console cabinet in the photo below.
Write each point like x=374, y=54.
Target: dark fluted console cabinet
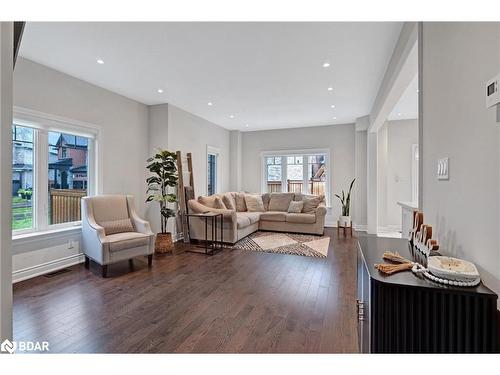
x=406, y=313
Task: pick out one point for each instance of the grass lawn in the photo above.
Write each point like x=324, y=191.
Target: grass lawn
x=22, y=213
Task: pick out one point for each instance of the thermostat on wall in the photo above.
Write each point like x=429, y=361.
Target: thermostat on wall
x=492, y=92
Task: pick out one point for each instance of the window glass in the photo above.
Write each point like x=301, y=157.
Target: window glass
x=67, y=176
x=212, y=174
x=22, y=177
x=316, y=175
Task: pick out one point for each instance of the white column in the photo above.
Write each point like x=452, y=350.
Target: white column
x=6, y=56
x=371, y=184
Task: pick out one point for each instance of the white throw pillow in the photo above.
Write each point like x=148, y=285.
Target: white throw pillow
x=295, y=207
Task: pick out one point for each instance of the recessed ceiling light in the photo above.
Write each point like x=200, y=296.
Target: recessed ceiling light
x=160, y=91
x=335, y=118
x=246, y=125
x=99, y=61
x=330, y=88
x=399, y=114
x=231, y=116
x=210, y=104
x=333, y=106
x=326, y=65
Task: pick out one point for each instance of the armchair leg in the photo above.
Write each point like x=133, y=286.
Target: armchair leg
x=104, y=270
x=87, y=262
x=150, y=260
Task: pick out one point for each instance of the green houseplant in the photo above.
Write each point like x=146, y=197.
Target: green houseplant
x=163, y=167
x=345, y=200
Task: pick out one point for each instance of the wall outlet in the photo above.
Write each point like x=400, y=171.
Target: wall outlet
x=71, y=244
x=443, y=169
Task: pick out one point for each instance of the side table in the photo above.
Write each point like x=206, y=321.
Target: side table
x=213, y=245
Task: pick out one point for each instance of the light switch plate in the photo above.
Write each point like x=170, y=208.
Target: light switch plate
x=443, y=169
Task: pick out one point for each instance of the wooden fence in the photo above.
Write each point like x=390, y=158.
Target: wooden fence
x=65, y=205
x=295, y=186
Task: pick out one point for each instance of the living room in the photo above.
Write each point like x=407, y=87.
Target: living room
x=145, y=164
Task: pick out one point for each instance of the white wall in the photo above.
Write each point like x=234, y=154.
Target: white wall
x=338, y=138
x=360, y=167
x=401, y=135
x=395, y=140
x=458, y=59
x=190, y=133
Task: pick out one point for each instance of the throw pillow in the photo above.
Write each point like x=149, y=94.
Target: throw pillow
x=311, y=203
x=117, y=226
x=295, y=207
x=280, y=201
x=208, y=201
x=229, y=201
x=240, y=202
x=265, y=199
x=254, y=203
x=219, y=204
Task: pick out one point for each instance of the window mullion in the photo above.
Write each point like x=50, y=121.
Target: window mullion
x=305, y=170
x=42, y=172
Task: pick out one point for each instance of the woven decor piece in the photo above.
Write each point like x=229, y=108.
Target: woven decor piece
x=285, y=243
x=164, y=243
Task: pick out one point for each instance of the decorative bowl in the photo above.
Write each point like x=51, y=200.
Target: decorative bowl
x=452, y=268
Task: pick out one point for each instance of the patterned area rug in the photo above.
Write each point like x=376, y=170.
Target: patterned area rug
x=286, y=243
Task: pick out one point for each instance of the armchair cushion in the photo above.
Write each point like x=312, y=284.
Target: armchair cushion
x=117, y=226
x=126, y=240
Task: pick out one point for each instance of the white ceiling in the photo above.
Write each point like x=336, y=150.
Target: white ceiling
x=407, y=106
x=267, y=75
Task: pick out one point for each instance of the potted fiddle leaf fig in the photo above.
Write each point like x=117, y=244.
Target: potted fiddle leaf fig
x=345, y=200
x=163, y=167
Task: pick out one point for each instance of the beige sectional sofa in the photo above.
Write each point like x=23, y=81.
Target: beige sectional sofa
x=245, y=213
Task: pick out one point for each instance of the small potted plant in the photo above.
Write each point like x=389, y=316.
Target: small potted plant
x=163, y=166
x=345, y=200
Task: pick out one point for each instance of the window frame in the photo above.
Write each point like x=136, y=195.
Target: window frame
x=305, y=153
x=42, y=124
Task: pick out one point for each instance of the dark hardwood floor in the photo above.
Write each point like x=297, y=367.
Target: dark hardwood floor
x=234, y=302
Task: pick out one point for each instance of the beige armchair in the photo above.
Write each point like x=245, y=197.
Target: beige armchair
x=112, y=231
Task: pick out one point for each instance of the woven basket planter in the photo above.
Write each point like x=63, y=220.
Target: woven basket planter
x=164, y=243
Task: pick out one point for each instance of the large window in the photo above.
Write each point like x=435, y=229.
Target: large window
x=67, y=176
x=300, y=173
x=50, y=175
x=22, y=177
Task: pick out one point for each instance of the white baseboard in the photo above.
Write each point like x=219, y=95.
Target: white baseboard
x=41, y=269
x=360, y=227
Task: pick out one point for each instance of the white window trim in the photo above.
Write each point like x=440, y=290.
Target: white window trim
x=45, y=123
x=301, y=152
x=211, y=150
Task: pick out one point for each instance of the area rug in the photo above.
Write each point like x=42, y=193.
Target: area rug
x=285, y=243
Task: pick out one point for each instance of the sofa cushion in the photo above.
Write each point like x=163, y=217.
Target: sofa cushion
x=311, y=203
x=240, y=202
x=229, y=201
x=265, y=200
x=295, y=207
x=273, y=216
x=242, y=220
x=280, y=201
x=301, y=218
x=212, y=201
x=254, y=203
x=117, y=226
x=126, y=240
x=253, y=217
